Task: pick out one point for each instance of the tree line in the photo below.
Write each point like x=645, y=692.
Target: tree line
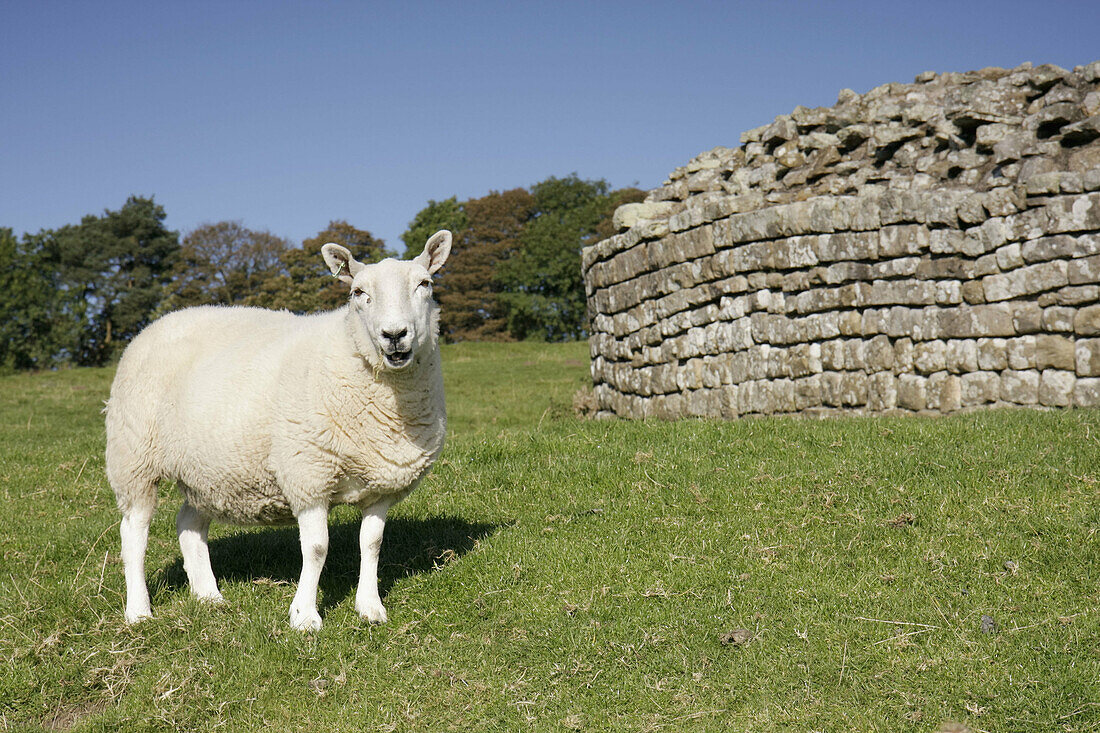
x=76, y=295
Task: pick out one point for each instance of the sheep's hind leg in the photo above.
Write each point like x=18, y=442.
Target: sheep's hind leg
x=313, y=534
x=367, y=601
x=192, y=528
x=134, y=532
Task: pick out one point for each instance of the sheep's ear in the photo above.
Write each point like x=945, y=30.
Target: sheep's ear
x=340, y=262
x=435, y=251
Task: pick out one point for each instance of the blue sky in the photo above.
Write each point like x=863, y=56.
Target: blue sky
x=285, y=115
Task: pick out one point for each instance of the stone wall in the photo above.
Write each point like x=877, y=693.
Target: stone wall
x=932, y=246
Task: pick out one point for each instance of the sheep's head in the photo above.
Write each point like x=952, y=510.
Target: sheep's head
x=392, y=312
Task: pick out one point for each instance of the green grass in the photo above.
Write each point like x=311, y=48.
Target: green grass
x=559, y=574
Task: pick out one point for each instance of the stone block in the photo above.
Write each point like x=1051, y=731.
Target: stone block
x=627, y=215
x=903, y=355
x=669, y=407
x=828, y=214
x=832, y=355
x=849, y=323
x=902, y=240
x=843, y=355
x=652, y=229
x=753, y=398
x=806, y=392
x=878, y=355
x=1004, y=201
x=1084, y=271
x=930, y=356
x=882, y=391
x=847, y=246
x=953, y=241
x=916, y=323
x=1026, y=281
x=992, y=354
x=702, y=403
x=1087, y=357
x=1020, y=387
x=1021, y=352
x=993, y=233
x=1039, y=184
x=990, y=134
x=948, y=292
x=897, y=267
x=1087, y=321
x=804, y=359
x=977, y=388
x=1060, y=246
x=901, y=292
x=782, y=396
x=794, y=252
x=872, y=321
x=944, y=392
x=1073, y=214
x=1086, y=393
x=844, y=389
x=977, y=321
x=1008, y=256
x=986, y=265
x=1054, y=352
x=704, y=180
x=1056, y=388
x=971, y=210
x=1027, y=317
x=961, y=356
x=911, y=392
x=1072, y=295
x=729, y=402
x=928, y=324
x=1058, y=318
x=938, y=268
x=780, y=131
x=972, y=292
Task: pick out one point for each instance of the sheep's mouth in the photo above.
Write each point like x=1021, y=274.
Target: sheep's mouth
x=398, y=359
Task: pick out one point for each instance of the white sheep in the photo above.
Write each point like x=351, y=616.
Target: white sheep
x=266, y=417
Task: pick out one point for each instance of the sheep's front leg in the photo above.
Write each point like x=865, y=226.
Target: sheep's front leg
x=367, y=601
x=313, y=533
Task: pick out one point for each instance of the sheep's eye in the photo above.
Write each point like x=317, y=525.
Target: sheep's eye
x=360, y=293
x=425, y=284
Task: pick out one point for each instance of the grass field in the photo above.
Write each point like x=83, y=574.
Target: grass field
x=559, y=574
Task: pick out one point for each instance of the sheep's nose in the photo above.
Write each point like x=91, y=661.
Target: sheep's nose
x=394, y=334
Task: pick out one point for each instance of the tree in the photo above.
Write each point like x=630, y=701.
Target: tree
x=363, y=245
x=31, y=334
x=303, y=284
x=222, y=263
x=542, y=292
x=113, y=269
x=447, y=214
x=467, y=290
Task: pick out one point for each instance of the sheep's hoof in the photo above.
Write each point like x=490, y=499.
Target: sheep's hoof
x=215, y=597
x=305, y=620
x=137, y=616
x=375, y=613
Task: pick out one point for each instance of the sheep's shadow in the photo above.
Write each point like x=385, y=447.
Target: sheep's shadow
x=409, y=547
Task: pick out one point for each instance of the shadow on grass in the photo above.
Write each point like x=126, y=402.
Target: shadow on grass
x=409, y=547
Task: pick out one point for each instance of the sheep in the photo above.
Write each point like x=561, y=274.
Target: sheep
x=266, y=417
